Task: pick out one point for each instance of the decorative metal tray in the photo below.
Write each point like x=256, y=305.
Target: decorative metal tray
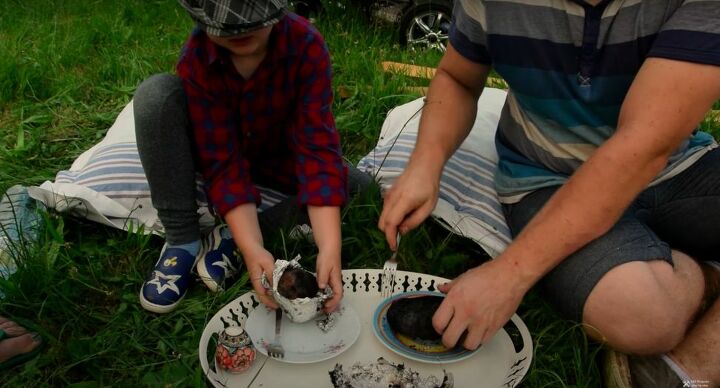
x=502, y=362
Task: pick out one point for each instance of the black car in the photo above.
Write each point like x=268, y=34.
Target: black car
x=423, y=23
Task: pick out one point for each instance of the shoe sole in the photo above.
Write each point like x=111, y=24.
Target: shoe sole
x=201, y=268
x=616, y=370
x=157, y=308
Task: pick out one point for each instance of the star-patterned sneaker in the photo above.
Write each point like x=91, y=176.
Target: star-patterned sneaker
x=220, y=261
x=169, y=280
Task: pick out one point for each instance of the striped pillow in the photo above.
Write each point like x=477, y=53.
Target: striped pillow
x=107, y=184
x=468, y=204
x=115, y=171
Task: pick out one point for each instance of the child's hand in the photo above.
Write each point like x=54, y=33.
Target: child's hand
x=325, y=222
x=329, y=273
x=260, y=261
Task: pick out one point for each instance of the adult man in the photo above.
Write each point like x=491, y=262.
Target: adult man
x=611, y=192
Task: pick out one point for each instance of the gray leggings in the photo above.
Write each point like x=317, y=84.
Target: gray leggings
x=162, y=128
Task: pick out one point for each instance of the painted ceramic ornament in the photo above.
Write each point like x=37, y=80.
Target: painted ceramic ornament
x=235, y=352
x=296, y=292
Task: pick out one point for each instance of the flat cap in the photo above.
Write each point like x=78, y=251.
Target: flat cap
x=233, y=17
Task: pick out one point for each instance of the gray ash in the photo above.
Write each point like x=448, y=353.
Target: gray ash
x=385, y=374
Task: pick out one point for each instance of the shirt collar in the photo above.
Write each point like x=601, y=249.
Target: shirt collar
x=585, y=4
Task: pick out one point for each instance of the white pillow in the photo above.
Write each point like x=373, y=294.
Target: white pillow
x=107, y=184
x=468, y=204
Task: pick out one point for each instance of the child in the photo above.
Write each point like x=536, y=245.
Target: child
x=251, y=105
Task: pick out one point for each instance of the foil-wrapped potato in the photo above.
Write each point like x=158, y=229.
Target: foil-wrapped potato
x=295, y=290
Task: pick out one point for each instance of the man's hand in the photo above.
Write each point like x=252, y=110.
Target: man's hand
x=480, y=301
x=329, y=272
x=258, y=261
x=409, y=202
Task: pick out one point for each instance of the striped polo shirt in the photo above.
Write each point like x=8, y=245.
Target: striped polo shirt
x=569, y=66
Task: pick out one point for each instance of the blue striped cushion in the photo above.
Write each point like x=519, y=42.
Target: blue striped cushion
x=115, y=171
x=468, y=203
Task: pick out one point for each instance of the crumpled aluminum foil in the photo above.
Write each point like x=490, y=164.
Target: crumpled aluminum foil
x=382, y=374
x=300, y=309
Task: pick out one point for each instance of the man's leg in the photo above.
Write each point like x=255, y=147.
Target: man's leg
x=636, y=312
x=645, y=307
x=699, y=353
x=623, y=286
x=650, y=308
x=687, y=215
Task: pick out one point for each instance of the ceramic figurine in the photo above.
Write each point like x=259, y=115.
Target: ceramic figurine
x=235, y=352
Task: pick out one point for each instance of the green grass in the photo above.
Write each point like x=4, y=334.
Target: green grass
x=66, y=70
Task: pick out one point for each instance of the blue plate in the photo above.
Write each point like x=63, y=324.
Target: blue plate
x=424, y=351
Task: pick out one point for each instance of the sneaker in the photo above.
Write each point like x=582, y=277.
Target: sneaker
x=654, y=371
x=169, y=281
x=629, y=371
x=616, y=373
x=302, y=232
x=220, y=261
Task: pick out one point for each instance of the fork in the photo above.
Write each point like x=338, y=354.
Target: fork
x=388, y=275
x=275, y=350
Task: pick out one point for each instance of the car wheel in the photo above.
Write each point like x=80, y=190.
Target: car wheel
x=426, y=24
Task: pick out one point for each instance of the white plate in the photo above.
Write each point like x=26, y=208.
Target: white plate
x=304, y=342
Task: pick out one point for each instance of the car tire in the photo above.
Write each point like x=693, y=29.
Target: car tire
x=425, y=24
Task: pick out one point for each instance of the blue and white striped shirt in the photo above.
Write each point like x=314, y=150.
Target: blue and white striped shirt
x=569, y=66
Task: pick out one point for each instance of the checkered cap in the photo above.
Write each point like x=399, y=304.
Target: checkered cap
x=233, y=17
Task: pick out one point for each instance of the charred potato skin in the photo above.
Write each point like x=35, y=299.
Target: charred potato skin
x=412, y=317
x=298, y=283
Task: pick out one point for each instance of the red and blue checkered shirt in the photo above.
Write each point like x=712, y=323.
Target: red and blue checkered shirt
x=274, y=129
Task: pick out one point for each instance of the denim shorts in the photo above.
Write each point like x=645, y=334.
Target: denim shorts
x=682, y=213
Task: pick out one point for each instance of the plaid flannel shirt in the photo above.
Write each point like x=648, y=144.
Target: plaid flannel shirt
x=275, y=128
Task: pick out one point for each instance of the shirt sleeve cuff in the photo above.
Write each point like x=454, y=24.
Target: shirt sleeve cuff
x=324, y=190
x=224, y=199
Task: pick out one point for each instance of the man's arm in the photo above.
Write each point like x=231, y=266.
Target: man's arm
x=664, y=105
x=447, y=118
